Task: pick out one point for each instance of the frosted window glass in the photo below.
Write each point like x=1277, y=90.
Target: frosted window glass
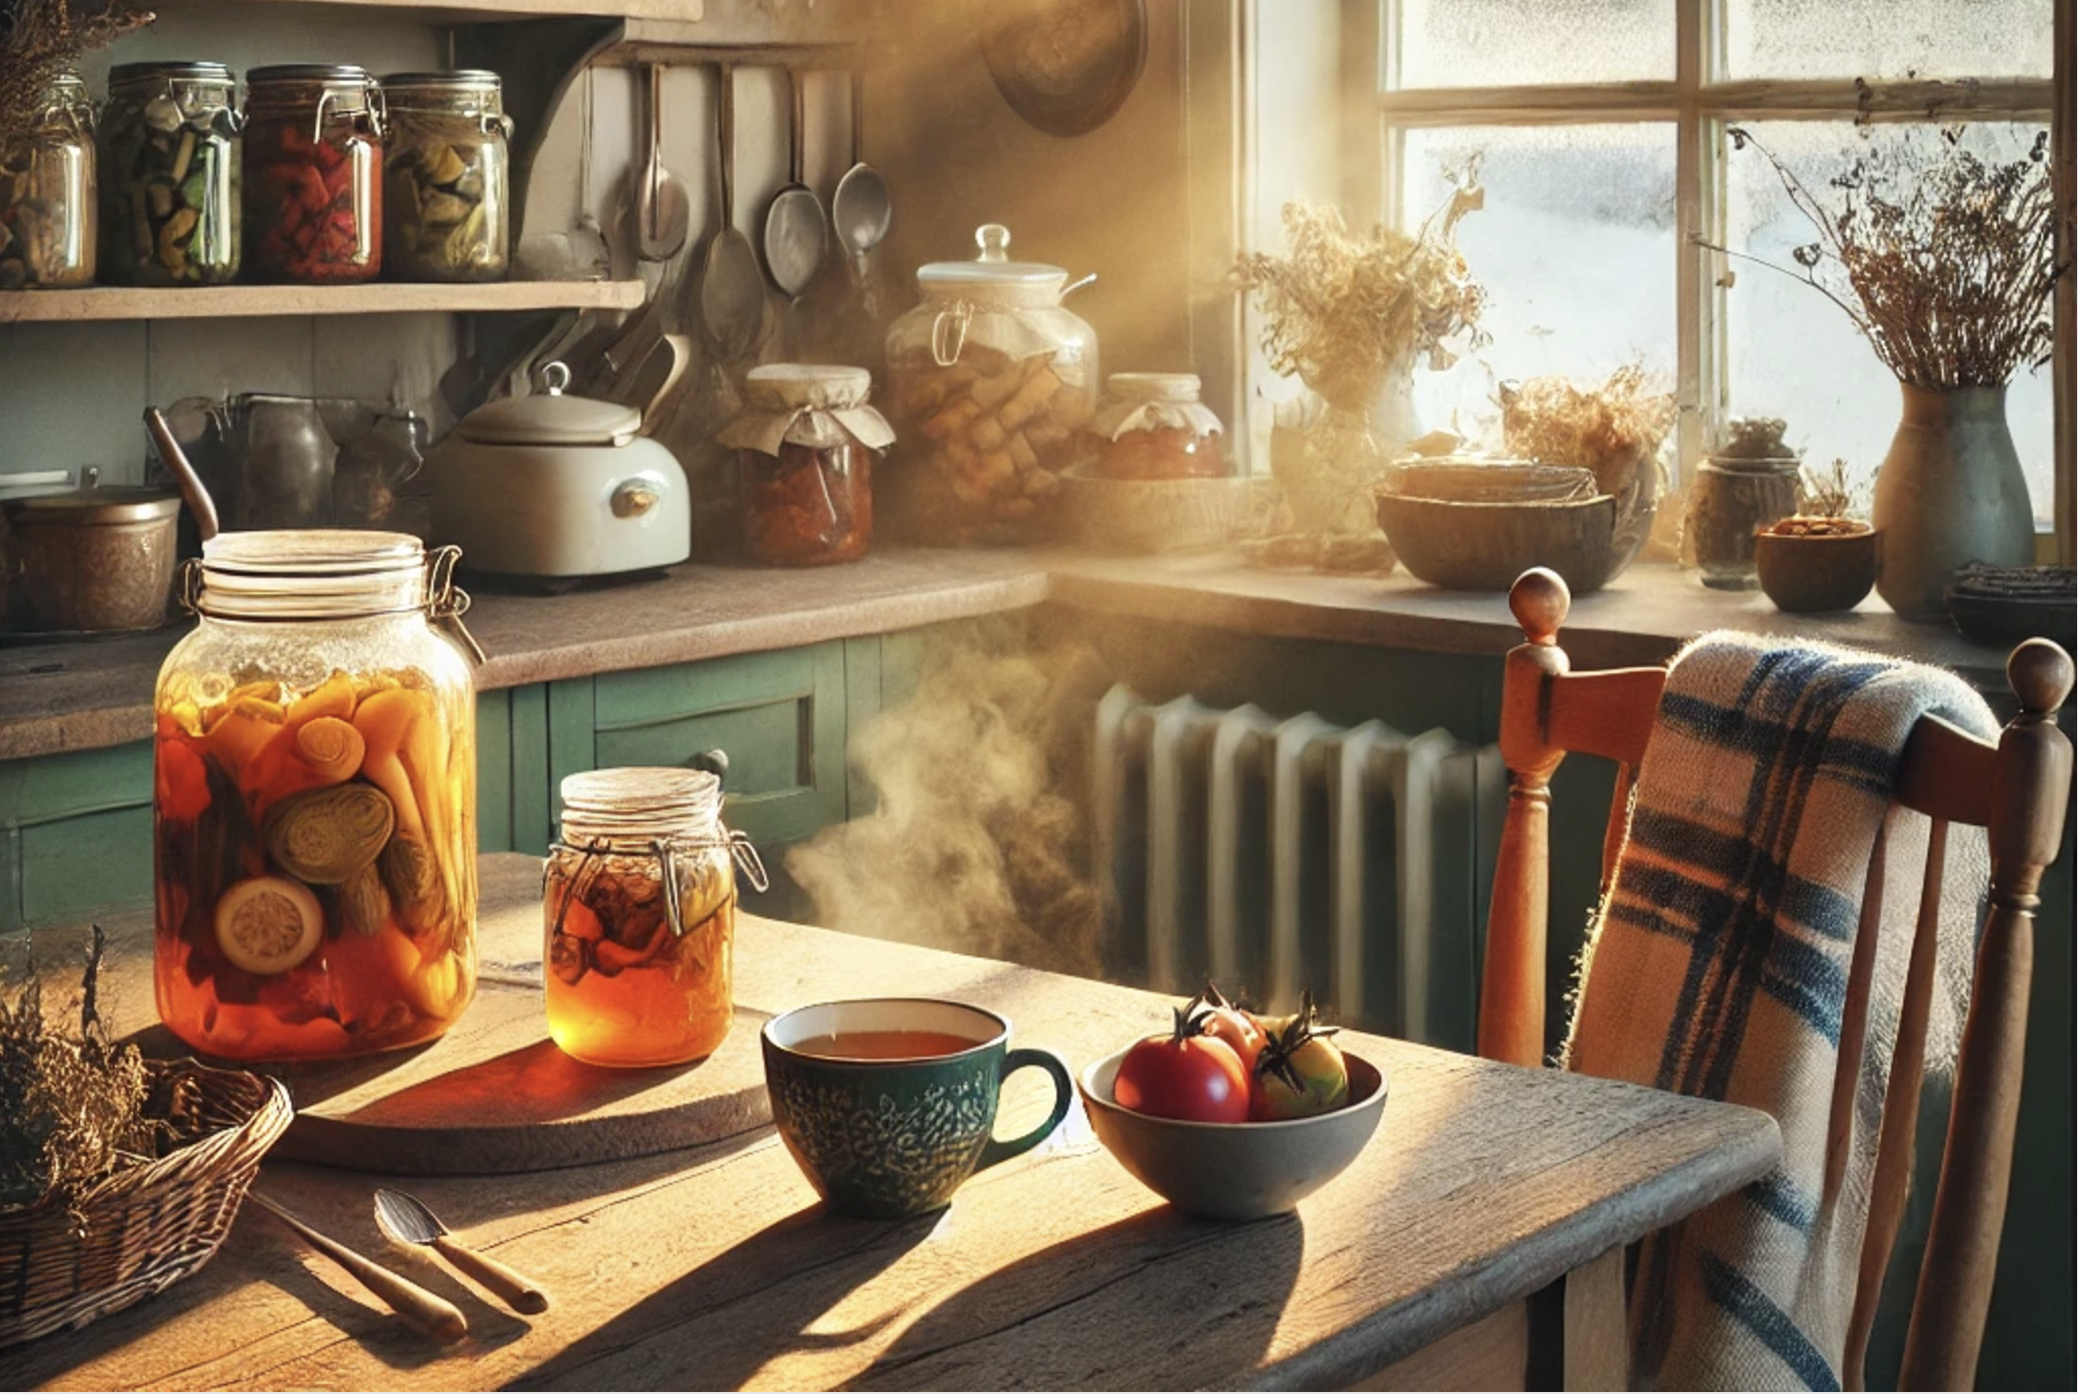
x=1886, y=38
x=1794, y=354
x=1491, y=43
x=1575, y=247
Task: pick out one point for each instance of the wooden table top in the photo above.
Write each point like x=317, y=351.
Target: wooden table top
x=715, y=1267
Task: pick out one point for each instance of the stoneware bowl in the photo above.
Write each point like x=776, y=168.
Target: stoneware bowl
x=1816, y=575
x=1478, y=527
x=1234, y=1171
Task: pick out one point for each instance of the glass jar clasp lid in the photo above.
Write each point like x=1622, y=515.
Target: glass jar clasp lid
x=667, y=850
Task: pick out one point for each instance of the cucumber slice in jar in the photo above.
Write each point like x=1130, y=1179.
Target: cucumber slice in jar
x=267, y=925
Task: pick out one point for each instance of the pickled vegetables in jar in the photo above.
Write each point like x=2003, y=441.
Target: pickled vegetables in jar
x=314, y=803
x=47, y=198
x=170, y=195
x=448, y=201
x=313, y=174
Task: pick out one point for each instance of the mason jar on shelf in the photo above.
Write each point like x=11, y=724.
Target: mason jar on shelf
x=170, y=166
x=447, y=203
x=313, y=174
x=47, y=198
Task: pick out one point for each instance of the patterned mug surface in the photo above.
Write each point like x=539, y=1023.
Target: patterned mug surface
x=895, y=1136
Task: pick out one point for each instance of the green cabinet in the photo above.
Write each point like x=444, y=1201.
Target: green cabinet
x=75, y=834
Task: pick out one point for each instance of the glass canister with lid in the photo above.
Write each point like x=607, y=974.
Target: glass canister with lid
x=313, y=174
x=170, y=163
x=314, y=801
x=805, y=443
x=991, y=379
x=47, y=198
x=446, y=200
x=1152, y=426
x=639, y=910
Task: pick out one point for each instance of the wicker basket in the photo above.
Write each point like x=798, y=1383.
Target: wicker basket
x=145, y=1226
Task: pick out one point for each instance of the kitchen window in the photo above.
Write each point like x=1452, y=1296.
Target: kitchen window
x=1600, y=130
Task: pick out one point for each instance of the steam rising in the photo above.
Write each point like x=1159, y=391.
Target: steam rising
x=979, y=843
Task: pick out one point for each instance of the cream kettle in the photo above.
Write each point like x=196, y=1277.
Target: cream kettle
x=559, y=486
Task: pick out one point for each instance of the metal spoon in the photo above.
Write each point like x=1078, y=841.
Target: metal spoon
x=406, y=1220
x=732, y=289
x=422, y=1311
x=797, y=235
x=861, y=208
x=663, y=210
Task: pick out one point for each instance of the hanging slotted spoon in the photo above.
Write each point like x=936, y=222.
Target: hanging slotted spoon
x=797, y=235
x=732, y=289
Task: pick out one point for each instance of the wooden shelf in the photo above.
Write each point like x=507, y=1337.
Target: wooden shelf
x=103, y=303
x=478, y=11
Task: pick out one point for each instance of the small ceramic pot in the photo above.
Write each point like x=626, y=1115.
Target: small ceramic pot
x=1807, y=574
x=890, y=1138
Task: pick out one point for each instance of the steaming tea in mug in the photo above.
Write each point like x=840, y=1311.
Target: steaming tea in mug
x=889, y=1104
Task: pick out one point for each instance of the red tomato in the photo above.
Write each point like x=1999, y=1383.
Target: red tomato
x=1184, y=1074
x=1229, y=1023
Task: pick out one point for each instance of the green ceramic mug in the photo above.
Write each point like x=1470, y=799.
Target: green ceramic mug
x=888, y=1104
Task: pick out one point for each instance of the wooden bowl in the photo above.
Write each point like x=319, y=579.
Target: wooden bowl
x=1483, y=543
x=1235, y=1171
x=1808, y=575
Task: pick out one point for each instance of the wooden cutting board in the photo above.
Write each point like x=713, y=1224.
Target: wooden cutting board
x=495, y=1095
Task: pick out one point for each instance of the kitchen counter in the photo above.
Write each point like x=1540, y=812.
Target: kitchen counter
x=85, y=694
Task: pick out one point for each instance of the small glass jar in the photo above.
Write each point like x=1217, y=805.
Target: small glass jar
x=47, y=199
x=1729, y=500
x=1152, y=426
x=313, y=174
x=170, y=152
x=447, y=203
x=314, y=802
x=991, y=381
x=639, y=909
x=805, y=443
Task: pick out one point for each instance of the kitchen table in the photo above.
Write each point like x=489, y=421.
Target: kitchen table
x=1484, y=1221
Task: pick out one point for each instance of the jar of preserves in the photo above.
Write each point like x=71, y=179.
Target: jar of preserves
x=804, y=445
x=313, y=174
x=47, y=208
x=170, y=152
x=1152, y=426
x=447, y=204
x=991, y=378
x=639, y=908
x=314, y=805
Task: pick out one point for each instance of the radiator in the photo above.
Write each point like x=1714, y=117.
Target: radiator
x=1277, y=854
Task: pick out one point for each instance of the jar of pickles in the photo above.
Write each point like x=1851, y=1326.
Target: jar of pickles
x=1152, y=426
x=639, y=907
x=313, y=174
x=804, y=445
x=314, y=800
x=170, y=175
x=47, y=210
x=447, y=208
x=991, y=380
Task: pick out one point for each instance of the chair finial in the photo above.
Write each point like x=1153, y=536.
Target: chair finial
x=2040, y=673
x=1540, y=602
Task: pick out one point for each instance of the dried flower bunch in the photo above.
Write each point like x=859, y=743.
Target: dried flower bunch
x=40, y=39
x=1345, y=311
x=1827, y=493
x=1945, y=266
x=1611, y=429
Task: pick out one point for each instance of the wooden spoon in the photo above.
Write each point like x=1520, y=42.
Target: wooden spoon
x=422, y=1311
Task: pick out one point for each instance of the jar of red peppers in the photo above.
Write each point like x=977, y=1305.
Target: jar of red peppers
x=313, y=174
x=639, y=905
x=805, y=443
x=1152, y=426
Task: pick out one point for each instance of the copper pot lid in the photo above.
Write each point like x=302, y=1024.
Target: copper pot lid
x=118, y=504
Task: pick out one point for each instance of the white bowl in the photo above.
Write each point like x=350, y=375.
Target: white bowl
x=1235, y=1171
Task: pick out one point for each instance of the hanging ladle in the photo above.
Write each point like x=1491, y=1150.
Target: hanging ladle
x=797, y=235
x=861, y=208
x=732, y=289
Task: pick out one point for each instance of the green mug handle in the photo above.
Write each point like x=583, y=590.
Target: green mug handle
x=998, y=1150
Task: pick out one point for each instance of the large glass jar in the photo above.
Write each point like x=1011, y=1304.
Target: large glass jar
x=446, y=205
x=170, y=175
x=639, y=910
x=991, y=380
x=1152, y=426
x=47, y=194
x=313, y=174
x=1730, y=499
x=314, y=810
x=805, y=443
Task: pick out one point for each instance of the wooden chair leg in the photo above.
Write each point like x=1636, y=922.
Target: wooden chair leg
x=1597, y=1339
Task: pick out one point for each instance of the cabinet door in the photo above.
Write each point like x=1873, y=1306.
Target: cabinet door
x=75, y=834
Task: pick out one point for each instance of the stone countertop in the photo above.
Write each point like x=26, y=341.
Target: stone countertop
x=84, y=694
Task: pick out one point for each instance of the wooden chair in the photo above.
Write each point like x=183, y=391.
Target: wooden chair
x=2016, y=789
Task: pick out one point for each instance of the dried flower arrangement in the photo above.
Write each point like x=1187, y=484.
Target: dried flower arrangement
x=1344, y=312
x=1613, y=429
x=40, y=39
x=1945, y=267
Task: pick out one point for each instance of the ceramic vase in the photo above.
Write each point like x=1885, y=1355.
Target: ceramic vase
x=1950, y=491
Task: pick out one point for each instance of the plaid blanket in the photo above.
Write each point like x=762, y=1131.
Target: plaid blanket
x=1719, y=965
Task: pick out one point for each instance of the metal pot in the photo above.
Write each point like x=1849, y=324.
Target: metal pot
x=93, y=560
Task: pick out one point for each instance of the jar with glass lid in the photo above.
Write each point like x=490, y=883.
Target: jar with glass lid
x=170, y=161
x=639, y=909
x=1747, y=482
x=446, y=200
x=314, y=800
x=991, y=379
x=313, y=174
x=1152, y=426
x=47, y=198
x=805, y=443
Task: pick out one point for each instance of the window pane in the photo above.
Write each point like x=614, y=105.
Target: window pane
x=1886, y=38
x=1792, y=353
x=1575, y=248
x=1493, y=43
